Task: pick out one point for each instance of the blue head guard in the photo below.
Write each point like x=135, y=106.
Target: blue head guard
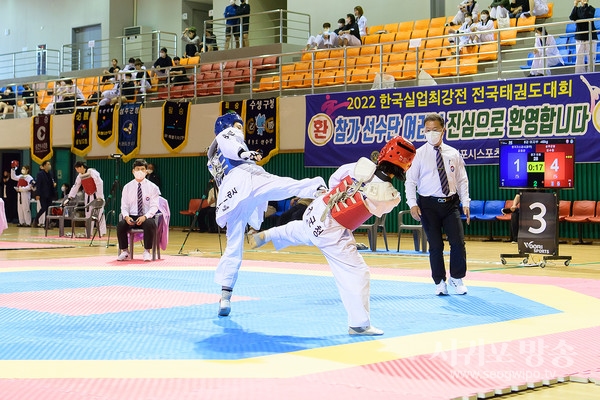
x=226, y=121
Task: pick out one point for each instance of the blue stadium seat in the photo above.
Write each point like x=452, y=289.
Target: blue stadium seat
x=476, y=209
x=491, y=210
x=569, y=30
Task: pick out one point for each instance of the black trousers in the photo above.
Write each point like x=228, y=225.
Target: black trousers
x=435, y=216
x=45, y=203
x=514, y=225
x=207, y=219
x=149, y=227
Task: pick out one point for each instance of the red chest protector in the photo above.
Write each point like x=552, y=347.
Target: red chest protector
x=89, y=186
x=347, y=204
x=22, y=182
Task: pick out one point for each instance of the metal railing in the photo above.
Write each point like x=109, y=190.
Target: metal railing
x=211, y=82
x=98, y=53
x=29, y=63
x=268, y=27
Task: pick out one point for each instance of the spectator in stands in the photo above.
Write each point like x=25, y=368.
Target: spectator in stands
x=232, y=27
x=499, y=9
x=114, y=68
x=56, y=94
x=162, y=62
x=210, y=40
x=192, y=42
x=483, y=28
x=583, y=10
x=324, y=40
x=545, y=54
x=519, y=8
x=123, y=89
x=130, y=64
x=8, y=101
x=463, y=38
x=178, y=73
x=141, y=77
x=538, y=7
x=30, y=103
x=71, y=95
x=361, y=20
x=466, y=6
x=242, y=10
x=341, y=24
x=350, y=34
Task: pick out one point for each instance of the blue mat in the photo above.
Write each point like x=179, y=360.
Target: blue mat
x=293, y=312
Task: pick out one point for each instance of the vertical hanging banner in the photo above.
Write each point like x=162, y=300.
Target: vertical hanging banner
x=105, y=122
x=261, y=127
x=176, y=118
x=237, y=106
x=128, y=141
x=41, y=138
x=82, y=143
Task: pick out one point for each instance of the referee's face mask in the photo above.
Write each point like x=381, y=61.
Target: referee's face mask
x=434, y=136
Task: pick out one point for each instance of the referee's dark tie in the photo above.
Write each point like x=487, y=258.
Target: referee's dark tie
x=442, y=171
x=140, y=200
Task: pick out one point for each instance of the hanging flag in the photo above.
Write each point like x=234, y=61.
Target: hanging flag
x=41, y=138
x=261, y=127
x=237, y=106
x=129, y=128
x=105, y=122
x=82, y=143
x=176, y=117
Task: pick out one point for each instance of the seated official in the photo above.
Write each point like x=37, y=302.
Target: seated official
x=139, y=203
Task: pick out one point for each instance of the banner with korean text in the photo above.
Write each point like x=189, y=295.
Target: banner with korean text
x=82, y=143
x=261, y=126
x=341, y=127
x=176, y=118
x=128, y=141
x=41, y=138
x=105, y=121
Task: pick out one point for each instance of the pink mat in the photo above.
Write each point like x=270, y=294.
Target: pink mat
x=28, y=245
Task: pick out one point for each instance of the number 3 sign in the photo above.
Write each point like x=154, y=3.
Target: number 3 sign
x=538, y=223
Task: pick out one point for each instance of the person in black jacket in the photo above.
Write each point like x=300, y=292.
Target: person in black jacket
x=243, y=10
x=582, y=10
x=350, y=34
x=44, y=190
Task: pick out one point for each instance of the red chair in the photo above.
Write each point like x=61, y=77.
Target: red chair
x=505, y=217
x=193, y=207
x=596, y=219
x=583, y=210
x=564, y=210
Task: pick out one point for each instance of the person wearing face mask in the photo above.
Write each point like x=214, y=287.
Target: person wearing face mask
x=44, y=192
x=350, y=33
x=439, y=176
x=93, y=187
x=341, y=23
x=483, y=28
x=232, y=25
x=325, y=40
x=466, y=6
x=583, y=10
x=153, y=175
x=24, y=188
x=545, y=54
x=161, y=63
x=139, y=203
x=463, y=38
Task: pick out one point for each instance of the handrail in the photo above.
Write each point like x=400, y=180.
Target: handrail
x=508, y=65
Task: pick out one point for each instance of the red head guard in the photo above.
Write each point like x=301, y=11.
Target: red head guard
x=399, y=152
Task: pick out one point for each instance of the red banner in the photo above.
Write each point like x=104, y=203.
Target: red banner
x=41, y=138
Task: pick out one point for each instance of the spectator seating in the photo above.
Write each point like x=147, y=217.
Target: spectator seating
x=596, y=218
x=550, y=11
x=475, y=208
x=491, y=211
x=505, y=217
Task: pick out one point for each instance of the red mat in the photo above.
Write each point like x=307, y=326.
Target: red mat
x=29, y=246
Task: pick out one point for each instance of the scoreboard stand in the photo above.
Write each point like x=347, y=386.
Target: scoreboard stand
x=538, y=229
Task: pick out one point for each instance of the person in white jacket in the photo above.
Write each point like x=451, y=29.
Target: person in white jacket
x=545, y=54
x=244, y=190
x=24, y=188
x=93, y=187
x=358, y=190
x=483, y=28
